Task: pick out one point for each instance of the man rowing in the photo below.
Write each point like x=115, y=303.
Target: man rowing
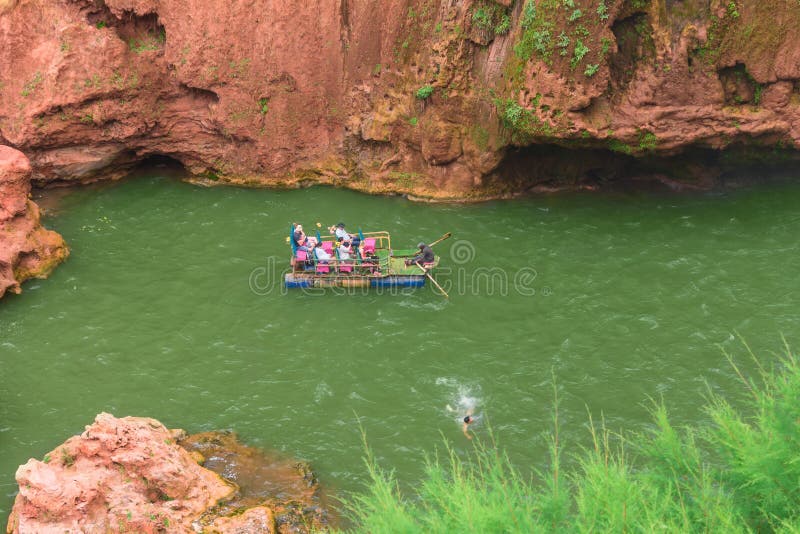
x=425, y=255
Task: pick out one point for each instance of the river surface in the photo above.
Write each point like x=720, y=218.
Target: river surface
x=171, y=307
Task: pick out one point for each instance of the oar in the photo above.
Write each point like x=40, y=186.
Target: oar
x=432, y=280
x=445, y=236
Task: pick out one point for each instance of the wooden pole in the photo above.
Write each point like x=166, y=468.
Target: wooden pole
x=445, y=236
x=432, y=280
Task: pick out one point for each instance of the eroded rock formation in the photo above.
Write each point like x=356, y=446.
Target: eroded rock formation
x=27, y=250
x=133, y=475
x=438, y=98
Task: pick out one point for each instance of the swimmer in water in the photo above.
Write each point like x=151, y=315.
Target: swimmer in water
x=468, y=420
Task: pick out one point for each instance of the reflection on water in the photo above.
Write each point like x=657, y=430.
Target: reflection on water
x=623, y=297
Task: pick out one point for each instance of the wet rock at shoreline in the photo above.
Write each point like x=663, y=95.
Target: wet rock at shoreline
x=27, y=250
x=131, y=474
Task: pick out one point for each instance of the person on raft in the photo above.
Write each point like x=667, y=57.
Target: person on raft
x=425, y=255
x=300, y=238
x=339, y=231
x=345, y=250
x=320, y=253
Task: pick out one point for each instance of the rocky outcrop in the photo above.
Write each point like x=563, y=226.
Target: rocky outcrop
x=439, y=98
x=132, y=475
x=27, y=250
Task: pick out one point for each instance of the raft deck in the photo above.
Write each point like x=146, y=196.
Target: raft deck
x=394, y=273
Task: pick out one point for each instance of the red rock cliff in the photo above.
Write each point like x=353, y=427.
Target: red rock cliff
x=27, y=250
x=423, y=96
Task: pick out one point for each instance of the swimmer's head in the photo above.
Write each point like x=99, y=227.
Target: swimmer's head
x=467, y=419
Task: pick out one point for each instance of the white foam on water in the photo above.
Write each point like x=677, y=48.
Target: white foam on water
x=462, y=399
x=322, y=390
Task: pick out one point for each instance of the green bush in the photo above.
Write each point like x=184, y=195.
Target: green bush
x=504, y=25
x=482, y=18
x=602, y=10
x=528, y=14
x=424, y=92
x=738, y=473
x=563, y=43
x=579, y=53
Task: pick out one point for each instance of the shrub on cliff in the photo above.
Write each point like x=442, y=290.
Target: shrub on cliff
x=739, y=473
x=424, y=92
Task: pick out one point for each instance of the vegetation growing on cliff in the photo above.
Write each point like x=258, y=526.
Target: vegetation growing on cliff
x=739, y=473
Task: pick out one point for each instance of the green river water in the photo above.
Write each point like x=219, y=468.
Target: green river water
x=171, y=307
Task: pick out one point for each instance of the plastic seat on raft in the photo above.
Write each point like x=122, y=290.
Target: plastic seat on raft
x=301, y=255
x=327, y=246
x=368, y=245
x=343, y=266
x=323, y=268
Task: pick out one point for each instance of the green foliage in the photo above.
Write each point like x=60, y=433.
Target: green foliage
x=483, y=18
x=147, y=42
x=263, y=105
x=591, y=70
x=67, y=459
x=575, y=15
x=647, y=141
x=602, y=10
x=563, y=43
x=413, y=121
x=535, y=40
x=605, y=46
x=32, y=84
x=46, y=459
x=377, y=69
x=536, y=36
x=758, y=92
x=528, y=14
x=619, y=146
x=100, y=25
x=504, y=25
x=424, y=92
x=492, y=18
x=738, y=473
x=578, y=54
x=733, y=11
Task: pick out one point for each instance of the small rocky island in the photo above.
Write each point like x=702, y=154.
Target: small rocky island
x=133, y=474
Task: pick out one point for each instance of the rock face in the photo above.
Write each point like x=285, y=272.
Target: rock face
x=439, y=98
x=27, y=250
x=131, y=475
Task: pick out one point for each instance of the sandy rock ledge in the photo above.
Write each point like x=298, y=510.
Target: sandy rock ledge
x=132, y=474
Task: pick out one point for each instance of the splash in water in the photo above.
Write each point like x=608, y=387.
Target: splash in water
x=464, y=403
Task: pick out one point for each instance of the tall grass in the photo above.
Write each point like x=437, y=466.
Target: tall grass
x=738, y=473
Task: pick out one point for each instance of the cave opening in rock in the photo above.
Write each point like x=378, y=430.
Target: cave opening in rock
x=163, y=162
x=553, y=167
x=140, y=32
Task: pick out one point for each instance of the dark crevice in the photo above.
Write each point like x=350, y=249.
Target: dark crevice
x=634, y=42
x=203, y=96
x=738, y=85
x=140, y=32
x=163, y=162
